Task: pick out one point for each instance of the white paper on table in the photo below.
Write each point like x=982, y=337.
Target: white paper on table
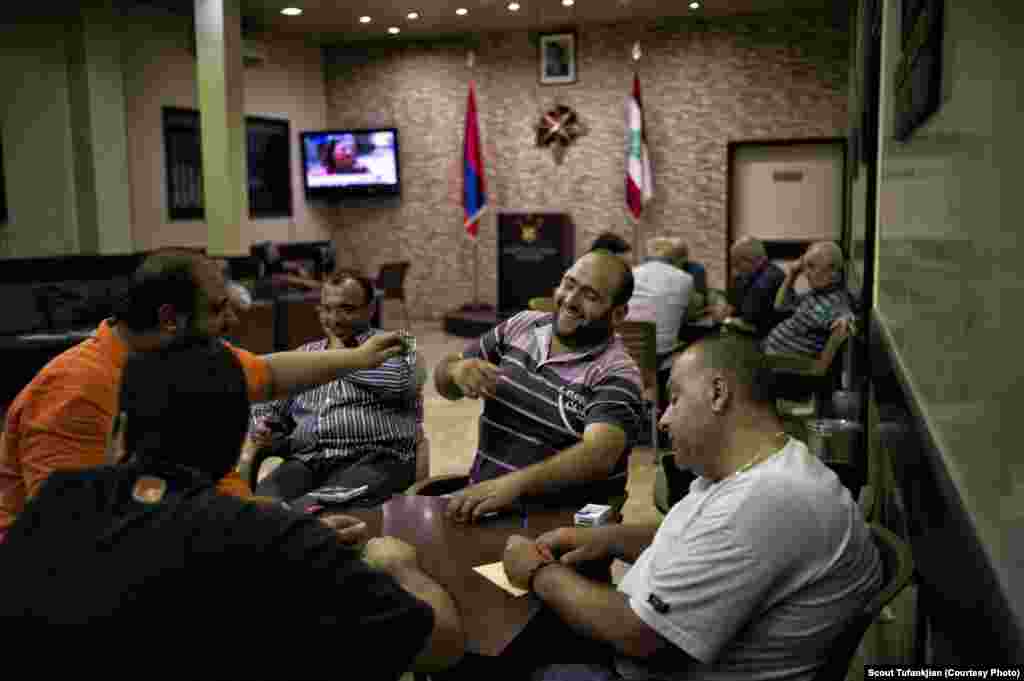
x=496, y=573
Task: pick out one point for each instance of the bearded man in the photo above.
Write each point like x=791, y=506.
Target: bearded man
x=562, y=397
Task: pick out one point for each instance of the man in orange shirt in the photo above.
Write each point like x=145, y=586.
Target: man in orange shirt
x=62, y=418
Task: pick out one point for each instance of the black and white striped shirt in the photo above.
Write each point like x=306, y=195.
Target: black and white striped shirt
x=543, y=404
x=363, y=412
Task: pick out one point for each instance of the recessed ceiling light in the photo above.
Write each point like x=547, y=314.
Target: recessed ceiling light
x=694, y=5
x=412, y=16
x=365, y=20
x=513, y=7
x=394, y=30
x=462, y=11
x=568, y=3
x=291, y=11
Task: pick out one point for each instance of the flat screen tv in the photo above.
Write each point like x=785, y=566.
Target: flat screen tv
x=351, y=163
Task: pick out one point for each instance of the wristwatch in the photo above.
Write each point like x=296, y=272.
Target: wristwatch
x=537, y=568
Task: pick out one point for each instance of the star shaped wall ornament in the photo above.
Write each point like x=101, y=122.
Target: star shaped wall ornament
x=558, y=128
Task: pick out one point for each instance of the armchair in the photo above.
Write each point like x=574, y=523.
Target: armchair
x=809, y=381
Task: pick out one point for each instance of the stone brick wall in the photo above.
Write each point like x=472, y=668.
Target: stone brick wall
x=705, y=83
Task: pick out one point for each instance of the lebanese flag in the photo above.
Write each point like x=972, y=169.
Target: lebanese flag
x=639, y=182
x=474, y=190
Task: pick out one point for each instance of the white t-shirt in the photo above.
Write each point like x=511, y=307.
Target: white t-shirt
x=754, y=575
x=664, y=289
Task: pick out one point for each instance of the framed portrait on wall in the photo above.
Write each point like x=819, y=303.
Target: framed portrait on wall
x=557, y=58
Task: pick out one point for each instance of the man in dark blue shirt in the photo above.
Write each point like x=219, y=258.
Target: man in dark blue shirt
x=751, y=296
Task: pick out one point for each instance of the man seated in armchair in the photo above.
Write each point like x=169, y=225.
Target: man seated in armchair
x=816, y=314
x=361, y=429
x=562, y=396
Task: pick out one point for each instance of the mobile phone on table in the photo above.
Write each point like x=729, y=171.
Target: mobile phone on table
x=338, y=495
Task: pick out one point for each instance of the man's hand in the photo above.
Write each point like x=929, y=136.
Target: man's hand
x=378, y=349
x=721, y=311
x=581, y=544
x=489, y=496
x=261, y=435
x=521, y=557
x=794, y=268
x=847, y=326
x=391, y=555
x=351, y=531
x=474, y=377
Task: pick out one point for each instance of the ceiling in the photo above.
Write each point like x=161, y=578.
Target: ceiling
x=337, y=21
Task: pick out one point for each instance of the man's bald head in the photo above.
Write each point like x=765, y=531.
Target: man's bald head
x=748, y=247
x=617, y=271
x=747, y=255
x=823, y=264
x=829, y=251
x=669, y=247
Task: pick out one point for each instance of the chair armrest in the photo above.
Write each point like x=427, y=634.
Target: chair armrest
x=740, y=324
x=797, y=364
x=438, y=485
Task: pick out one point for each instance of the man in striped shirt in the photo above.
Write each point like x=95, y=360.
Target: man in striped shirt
x=816, y=313
x=561, y=396
x=360, y=429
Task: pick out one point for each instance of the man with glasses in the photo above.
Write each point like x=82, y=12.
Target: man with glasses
x=360, y=429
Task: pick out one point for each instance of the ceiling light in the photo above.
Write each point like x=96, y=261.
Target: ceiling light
x=394, y=30
x=291, y=11
x=694, y=5
x=412, y=16
x=513, y=7
x=568, y=3
x=365, y=20
x=462, y=11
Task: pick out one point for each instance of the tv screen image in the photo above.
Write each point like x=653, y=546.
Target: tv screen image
x=357, y=162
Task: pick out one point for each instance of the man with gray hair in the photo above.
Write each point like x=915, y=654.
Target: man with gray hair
x=751, y=296
x=663, y=287
x=662, y=293
x=816, y=313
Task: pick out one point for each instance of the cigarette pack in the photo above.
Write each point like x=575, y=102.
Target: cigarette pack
x=593, y=515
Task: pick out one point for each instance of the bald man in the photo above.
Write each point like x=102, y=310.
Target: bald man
x=816, y=313
x=561, y=396
x=756, y=281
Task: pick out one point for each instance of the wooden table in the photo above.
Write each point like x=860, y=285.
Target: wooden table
x=448, y=552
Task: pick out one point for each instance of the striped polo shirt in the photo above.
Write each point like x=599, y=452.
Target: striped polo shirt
x=543, y=404
x=807, y=330
x=363, y=412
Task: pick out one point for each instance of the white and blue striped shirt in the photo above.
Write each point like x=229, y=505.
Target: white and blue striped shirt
x=363, y=412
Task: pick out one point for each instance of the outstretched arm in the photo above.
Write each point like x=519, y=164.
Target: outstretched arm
x=296, y=370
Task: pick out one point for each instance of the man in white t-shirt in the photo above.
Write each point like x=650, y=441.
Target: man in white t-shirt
x=662, y=289
x=750, y=576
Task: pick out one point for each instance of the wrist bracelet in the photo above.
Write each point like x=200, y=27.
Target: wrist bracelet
x=533, y=573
